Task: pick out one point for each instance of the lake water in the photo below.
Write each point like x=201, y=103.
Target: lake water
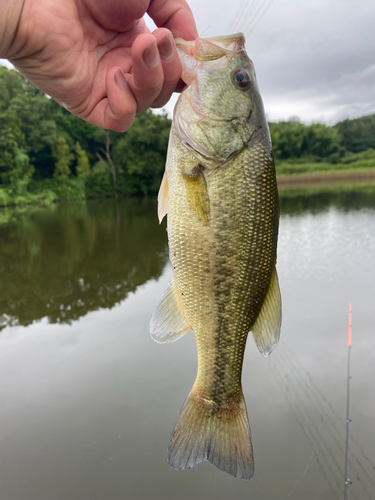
x=88, y=400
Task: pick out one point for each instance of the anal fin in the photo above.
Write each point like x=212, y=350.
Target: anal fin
x=266, y=329
x=168, y=323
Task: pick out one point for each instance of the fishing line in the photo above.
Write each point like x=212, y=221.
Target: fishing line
x=260, y=16
x=323, y=466
x=242, y=12
x=317, y=434
x=237, y=16
x=337, y=441
x=338, y=438
x=359, y=464
x=305, y=406
x=257, y=14
x=341, y=450
x=248, y=14
x=307, y=431
x=304, y=473
x=316, y=402
x=203, y=32
x=300, y=373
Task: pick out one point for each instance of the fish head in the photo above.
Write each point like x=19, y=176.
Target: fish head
x=221, y=109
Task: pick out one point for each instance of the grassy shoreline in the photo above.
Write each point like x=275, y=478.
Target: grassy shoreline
x=326, y=177
x=289, y=176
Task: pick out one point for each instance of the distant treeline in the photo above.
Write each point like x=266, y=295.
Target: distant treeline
x=43, y=146
x=292, y=139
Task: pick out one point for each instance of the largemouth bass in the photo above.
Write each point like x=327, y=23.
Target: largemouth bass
x=219, y=190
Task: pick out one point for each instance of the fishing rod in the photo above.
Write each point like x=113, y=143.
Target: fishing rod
x=347, y=480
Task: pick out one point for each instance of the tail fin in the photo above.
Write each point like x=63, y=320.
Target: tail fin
x=220, y=435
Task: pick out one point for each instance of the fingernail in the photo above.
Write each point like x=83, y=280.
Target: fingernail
x=151, y=56
x=121, y=80
x=166, y=49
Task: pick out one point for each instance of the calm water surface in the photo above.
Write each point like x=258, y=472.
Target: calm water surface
x=88, y=400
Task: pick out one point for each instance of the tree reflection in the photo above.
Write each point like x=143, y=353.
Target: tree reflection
x=295, y=200
x=67, y=260
x=64, y=261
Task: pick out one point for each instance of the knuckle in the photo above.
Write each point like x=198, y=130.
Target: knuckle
x=120, y=119
x=149, y=84
x=171, y=77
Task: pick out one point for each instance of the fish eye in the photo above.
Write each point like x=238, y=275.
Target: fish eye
x=241, y=79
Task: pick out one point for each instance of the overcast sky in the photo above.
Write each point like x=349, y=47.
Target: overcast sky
x=315, y=59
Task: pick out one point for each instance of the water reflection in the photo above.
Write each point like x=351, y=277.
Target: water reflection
x=63, y=261
x=66, y=260
x=87, y=409
x=318, y=198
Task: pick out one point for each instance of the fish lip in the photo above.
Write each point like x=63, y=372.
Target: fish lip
x=209, y=49
x=233, y=42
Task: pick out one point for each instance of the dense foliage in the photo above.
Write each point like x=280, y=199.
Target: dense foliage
x=357, y=135
x=292, y=139
x=45, y=148
x=47, y=153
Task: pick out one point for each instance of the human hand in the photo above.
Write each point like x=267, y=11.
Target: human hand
x=98, y=58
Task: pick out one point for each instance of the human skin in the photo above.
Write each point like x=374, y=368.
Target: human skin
x=98, y=58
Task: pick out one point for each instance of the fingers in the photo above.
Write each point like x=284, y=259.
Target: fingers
x=153, y=77
x=171, y=66
x=146, y=79
x=174, y=15
x=116, y=111
x=156, y=69
x=116, y=15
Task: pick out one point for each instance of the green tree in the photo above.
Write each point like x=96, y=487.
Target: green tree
x=293, y=139
x=91, y=138
x=14, y=162
x=105, y=156
x=23, y=170
x=64, y=158
x=287, y=139
x=83, y=164
x=321, y=141
x=141, y=152
x=7, y=161
x=357, y=135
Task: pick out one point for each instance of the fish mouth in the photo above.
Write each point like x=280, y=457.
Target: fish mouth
x=210, y=49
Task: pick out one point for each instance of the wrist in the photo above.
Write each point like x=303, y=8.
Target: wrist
x=9, y=21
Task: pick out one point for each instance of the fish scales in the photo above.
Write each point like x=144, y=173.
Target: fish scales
x=220, y=193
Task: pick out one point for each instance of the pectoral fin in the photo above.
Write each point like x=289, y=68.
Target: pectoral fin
x=266, y=329
x=168, y=323
x=197, y=194
x=163, y=198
